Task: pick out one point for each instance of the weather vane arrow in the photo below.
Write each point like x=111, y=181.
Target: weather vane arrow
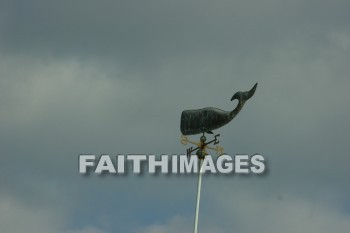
x=202, y=145
x=204, y=121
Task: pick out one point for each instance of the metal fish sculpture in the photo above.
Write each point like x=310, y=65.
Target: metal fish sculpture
x=207, y=119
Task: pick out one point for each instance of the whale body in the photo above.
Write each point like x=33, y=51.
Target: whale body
x=207, y=119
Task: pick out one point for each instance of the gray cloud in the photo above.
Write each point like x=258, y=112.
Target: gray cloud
x=113, y=77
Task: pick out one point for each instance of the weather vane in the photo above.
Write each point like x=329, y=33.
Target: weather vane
x=201, y=121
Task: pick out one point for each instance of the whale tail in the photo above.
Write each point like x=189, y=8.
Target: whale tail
x=244, y=96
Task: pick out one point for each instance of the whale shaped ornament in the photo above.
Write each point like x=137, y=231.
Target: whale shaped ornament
x=207, y=119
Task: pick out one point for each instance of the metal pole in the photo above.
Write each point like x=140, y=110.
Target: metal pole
x=198, y=195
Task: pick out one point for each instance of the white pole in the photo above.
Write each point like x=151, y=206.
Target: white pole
x=198, y=195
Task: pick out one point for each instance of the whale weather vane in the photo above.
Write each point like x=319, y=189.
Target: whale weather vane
x=205, y=120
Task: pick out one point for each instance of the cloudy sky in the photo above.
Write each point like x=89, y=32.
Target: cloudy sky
x=112, y=77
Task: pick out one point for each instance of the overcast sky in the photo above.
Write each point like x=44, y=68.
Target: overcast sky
x=112, y=77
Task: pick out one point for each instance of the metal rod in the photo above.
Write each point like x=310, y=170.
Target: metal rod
x=198, y=195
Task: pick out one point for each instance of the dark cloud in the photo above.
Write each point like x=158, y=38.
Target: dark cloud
x=113, y=77
x=145, y=32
